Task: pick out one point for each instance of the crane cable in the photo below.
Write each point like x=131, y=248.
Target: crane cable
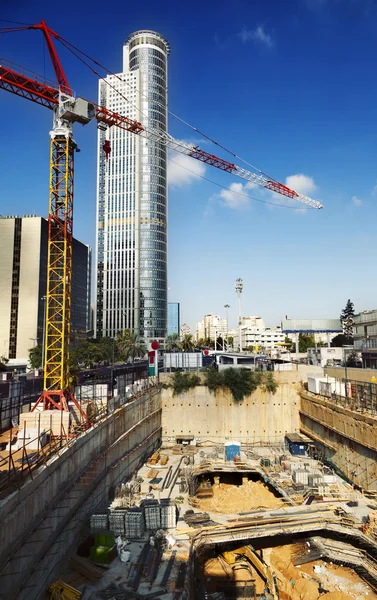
x=63, y=42
x=192, y=127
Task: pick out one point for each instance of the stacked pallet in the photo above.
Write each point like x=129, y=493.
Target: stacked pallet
x=98, y=523
x=152, y=515
x=116, y=522
x=168, y=514
x=164, y=460
x=134, y=525
x=47, y=420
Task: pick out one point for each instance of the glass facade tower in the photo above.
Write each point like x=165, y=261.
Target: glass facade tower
x=131, y=257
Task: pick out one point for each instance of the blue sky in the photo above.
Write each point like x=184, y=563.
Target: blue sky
x=287, y=85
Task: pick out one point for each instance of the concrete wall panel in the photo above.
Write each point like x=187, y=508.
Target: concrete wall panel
x=217, y=417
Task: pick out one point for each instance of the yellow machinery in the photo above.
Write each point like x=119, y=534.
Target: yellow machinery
x=246, y=554
x=62, y=591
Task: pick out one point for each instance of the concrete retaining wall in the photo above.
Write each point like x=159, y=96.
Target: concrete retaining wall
x=347, y=437
x=41, y=521
x=261, y=417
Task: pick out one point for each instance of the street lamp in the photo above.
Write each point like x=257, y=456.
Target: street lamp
x=238, y=286
x=227, y=306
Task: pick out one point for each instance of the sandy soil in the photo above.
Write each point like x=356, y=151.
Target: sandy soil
x=230, y=499
x=303, y=583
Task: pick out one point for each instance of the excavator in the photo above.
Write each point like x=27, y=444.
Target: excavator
x=242, y=559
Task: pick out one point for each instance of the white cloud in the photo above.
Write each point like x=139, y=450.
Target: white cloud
x=184, y=170
x=258, y=35
x=356, y=201
x=236, y=195
x=301, y=183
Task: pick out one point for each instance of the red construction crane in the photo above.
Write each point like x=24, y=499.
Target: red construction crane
x=67, y=110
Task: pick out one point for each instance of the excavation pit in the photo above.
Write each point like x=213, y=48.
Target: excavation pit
x=233, y=492
x=241, y=570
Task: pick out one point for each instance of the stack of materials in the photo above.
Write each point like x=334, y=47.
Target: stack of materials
x=168, y=514
x=155, y=458
x=152, y=515
x=372, y=520
x=55, y=421
x=98, y=523
x=134, y=525
x=164, y=459
x=197, y=519
x=116, y=522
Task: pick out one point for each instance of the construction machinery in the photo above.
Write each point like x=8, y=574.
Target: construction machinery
x=67, y=109
x=242, y=559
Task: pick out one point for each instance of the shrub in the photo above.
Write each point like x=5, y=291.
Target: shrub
x=240, y=382
x=182, y=382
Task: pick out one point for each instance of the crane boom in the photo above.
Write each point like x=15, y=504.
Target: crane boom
x=44, y=93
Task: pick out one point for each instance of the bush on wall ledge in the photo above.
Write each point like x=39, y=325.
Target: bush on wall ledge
x=240, y=382
x=182, y=382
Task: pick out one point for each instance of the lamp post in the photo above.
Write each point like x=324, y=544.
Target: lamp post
x=238, y=286
x=227, y=306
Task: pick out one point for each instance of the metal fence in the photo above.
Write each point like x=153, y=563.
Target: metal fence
x=359, y=396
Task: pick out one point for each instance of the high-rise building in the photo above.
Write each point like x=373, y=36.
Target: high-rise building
x=185, y=330
x=131, y=257
x=174, y=322
x=23, y=283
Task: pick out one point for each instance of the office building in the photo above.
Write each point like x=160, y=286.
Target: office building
x=131, y=255
x=211, y=327
x=23, y=280
x=173, y=318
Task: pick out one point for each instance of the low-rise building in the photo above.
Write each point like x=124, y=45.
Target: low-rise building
x=365, y=337
x=326, y=357
x=262, y=338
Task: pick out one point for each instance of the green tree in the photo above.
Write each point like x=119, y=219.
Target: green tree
x=130, y=347
x=339, y=341
x=346, y=318
x=187, y=343
x=35, y=357
x=201, y=343
x=305, y=341
x=291, y=346
x=172, y=343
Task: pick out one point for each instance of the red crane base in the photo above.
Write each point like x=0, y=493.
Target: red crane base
x=58, y=399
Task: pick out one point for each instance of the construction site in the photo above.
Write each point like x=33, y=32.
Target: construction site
x=117, y=511
x=129, y=490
